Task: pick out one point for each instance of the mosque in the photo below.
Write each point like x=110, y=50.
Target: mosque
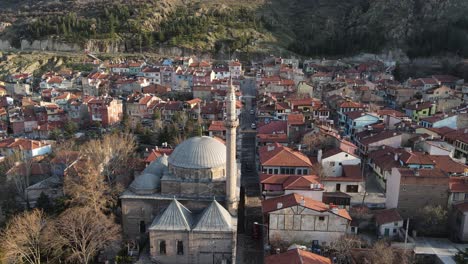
x=185, y=204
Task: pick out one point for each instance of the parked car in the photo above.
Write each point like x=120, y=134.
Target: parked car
x=253, y=126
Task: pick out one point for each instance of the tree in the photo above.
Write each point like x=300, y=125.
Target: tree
x=111, y=155
x=432, y=220
x=23, y=238
x=43, y=203
x=317, y=141
x=80, y=233
x=87, y=187
x=383, y=253
x=341, y=248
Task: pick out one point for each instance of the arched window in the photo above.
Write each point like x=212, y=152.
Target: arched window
x=180, y=247
x=142, y=227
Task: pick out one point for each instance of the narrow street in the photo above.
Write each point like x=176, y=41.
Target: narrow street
x=249, y=250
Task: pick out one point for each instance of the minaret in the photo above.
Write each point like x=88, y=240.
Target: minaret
x=231, y=124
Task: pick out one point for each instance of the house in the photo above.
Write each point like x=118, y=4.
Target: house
x=348, y=106
x=294, y=218
x=351, y=181
x=18, y=88
x=278, y=159
x=388, y=222
x=440, y=120
x=296, y=256
x=333, y=160
x=153, y=74
x=437, y=93
x=273, y=185
x=235, y=69
x=51, y=186
x=458, y=190
x=27, y=147
x=374, y=141
x=33, y=171
x=420, y=110
x=296, y=127
x=106, y=111
x=217, y=129
x=138, y=106
x=409, y=190
x=435, y=147
x=357, y=121
x=458, y=222
x=305, y=88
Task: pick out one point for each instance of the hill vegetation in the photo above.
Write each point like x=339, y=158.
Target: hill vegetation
x=306, y=27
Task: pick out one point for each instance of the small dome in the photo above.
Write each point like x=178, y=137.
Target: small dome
x=149, y=180
x=199, y=153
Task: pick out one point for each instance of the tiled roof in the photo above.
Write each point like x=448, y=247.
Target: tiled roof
x=379, y=137
x=350, y=104
x=447, y=164
x=333, y=152
x=427, y=173
x=458, y=184
x=419, y=106
x=272, y=138
x=462, y=206
x=217, y=126
x=294, y=199
x=278, y=155
x=156, y=153
x=296, y=256
x=290, y=182
x=296, y=119
x=391, y=112
x=416, y=158
x=387, y=216
x=276, y=127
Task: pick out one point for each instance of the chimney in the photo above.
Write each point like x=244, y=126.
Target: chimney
x=271, y=147
x=279, y=205
x=416, y=173
x=319, y=156
x=396, y=157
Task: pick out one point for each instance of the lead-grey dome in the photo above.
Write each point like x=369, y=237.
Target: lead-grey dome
x=150, y=179
x=199, y=153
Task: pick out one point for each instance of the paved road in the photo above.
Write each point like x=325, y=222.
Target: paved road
x=249, y=250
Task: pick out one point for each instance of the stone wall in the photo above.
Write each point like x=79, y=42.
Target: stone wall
x=414, y=197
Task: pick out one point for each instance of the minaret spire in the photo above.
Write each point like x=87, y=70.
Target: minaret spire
x=231, y=123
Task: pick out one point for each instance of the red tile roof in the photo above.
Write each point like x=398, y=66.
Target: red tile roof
x=217, y=126
x=387, y=216
x=156, y=153
x=458, y=184
x=294, y=199
x=277, y=127
x=296, y=256
x=447, y=164
x=278, y=155
x=351, y=104
x=296, y=119
x=462, y=206
x=290, y=182
x=272, y=138
x=416, y=158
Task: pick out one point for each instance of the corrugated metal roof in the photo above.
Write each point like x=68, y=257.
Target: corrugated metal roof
x=176, y=217
x=214, y=219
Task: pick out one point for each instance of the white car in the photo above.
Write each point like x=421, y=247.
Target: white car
x=253, y=126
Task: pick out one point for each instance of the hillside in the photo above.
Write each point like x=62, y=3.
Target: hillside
x=306, y=27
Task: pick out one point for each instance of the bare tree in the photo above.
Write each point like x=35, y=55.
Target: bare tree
x=87, y=187
x=20, y=178
x=80, y=233
x=318, y=141
x=382, y=253
x=341, y=248
x=319, y=170
x=111, y=155
x=23, y=238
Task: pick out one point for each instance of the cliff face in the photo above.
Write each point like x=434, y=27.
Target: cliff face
x=306, y=27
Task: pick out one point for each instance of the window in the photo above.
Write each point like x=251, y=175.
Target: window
x=395, y=224
x=332, y=163
x=142, y=227
x=162, y=247
x=394, y=231
x=180, y=247
x=276, y=171
x=321, y=218
x=352, y=188
x=338, y=187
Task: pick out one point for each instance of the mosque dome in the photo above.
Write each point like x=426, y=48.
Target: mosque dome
x=199, y=153
x=150, y=179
